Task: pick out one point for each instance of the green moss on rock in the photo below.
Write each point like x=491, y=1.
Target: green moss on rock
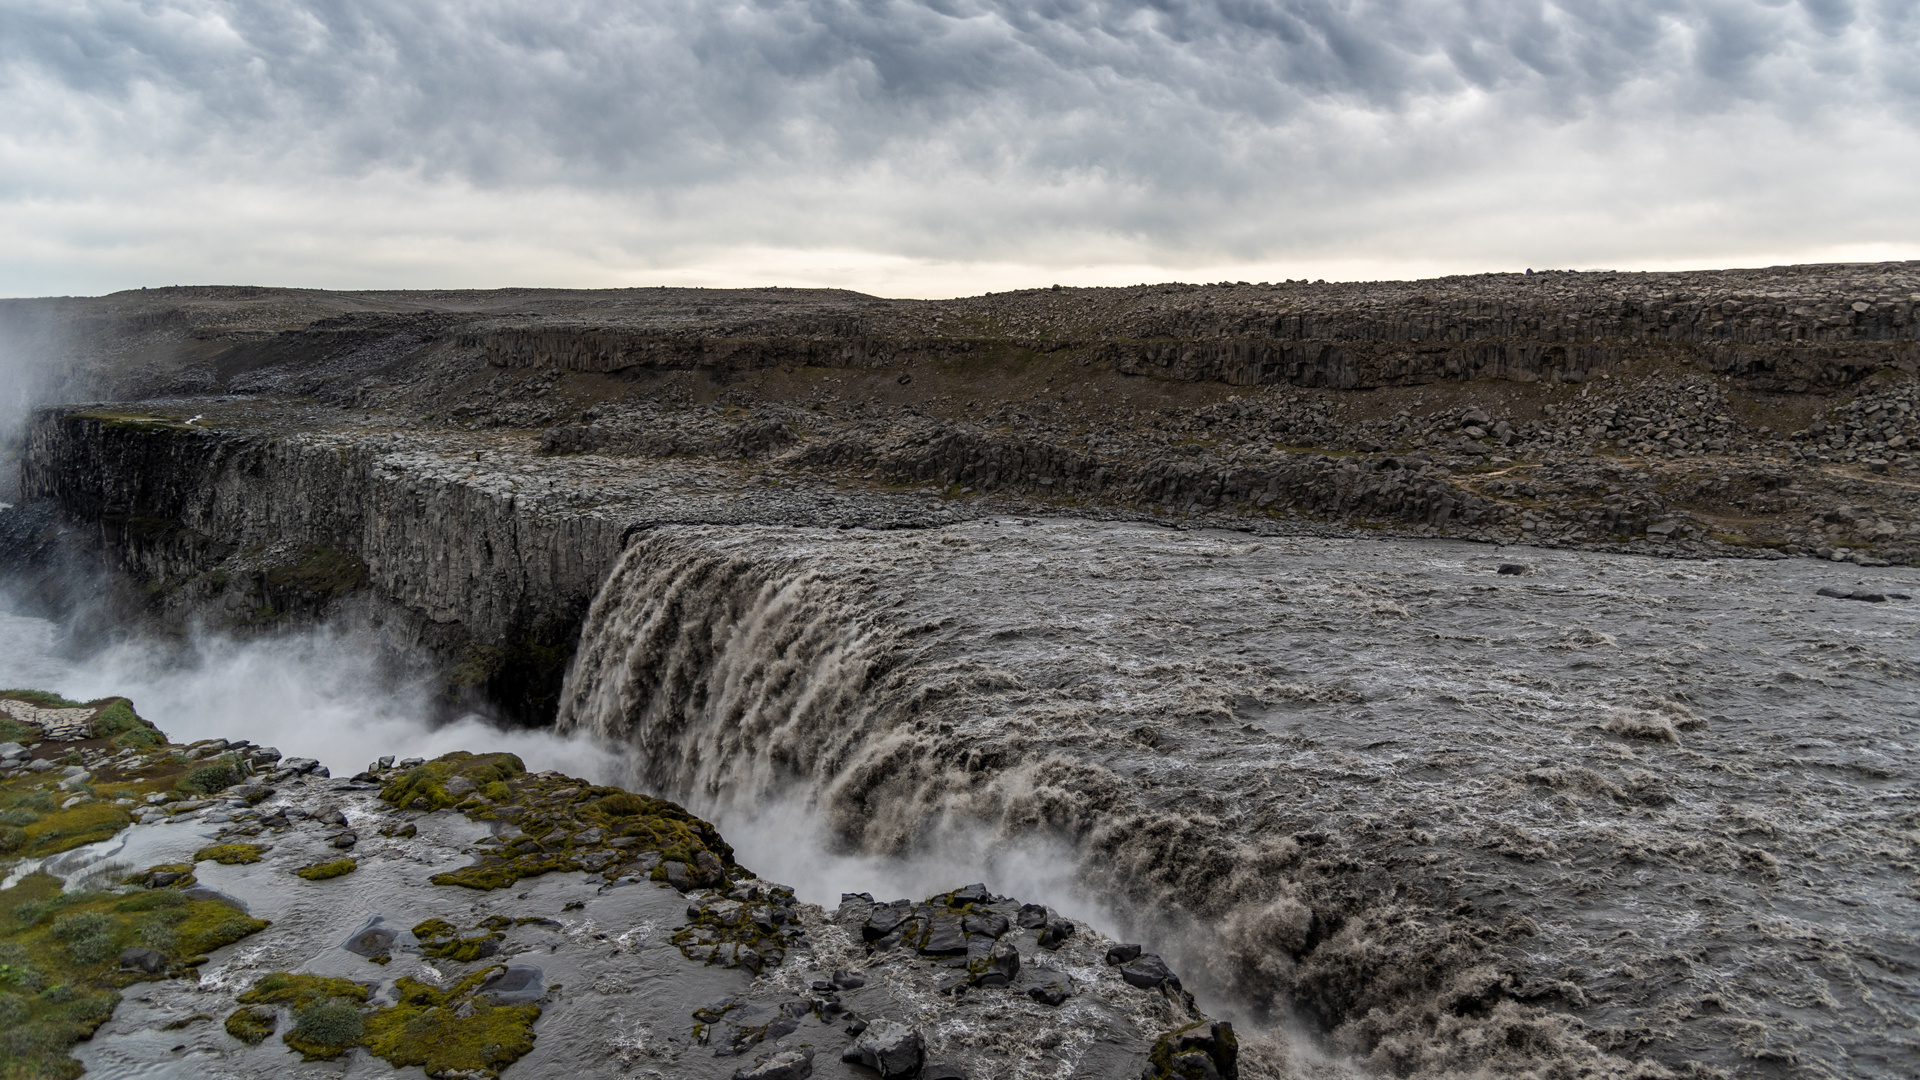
x=425, y=787
x=253, y=1024
x=1202, y=1050
x=230, y=854
x=427, y=1028
x=325, y=870
x=58, y=957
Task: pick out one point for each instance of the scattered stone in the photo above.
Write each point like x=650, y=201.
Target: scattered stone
x=1051, y=994
x=892, y=1049
x=1515, y=569
x=1120, y=954
x=1001, y=966
x=1149, y=972
x=518, y=984
x=1031, y=917
x=786, y=1065
x=1056, y=934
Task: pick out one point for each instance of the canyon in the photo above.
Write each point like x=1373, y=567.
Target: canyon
x=1445, y=675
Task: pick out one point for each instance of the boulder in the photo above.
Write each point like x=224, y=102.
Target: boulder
x=1149, y=972
x=990, y=925
x=372, y=939
x=1051, y=994
x=970, y=894
x=890, y=1048
x=1120, y=954
x=1202, y=1052
x=147, y=960
x=518, y=984
x=1001, y=967
x=1056, y=934
x=946, y=938
x=1031, y=917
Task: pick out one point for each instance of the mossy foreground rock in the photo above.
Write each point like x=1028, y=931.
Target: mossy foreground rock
x=563, y=824
x=468, y=918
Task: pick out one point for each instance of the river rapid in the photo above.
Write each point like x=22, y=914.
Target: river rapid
x=1412, y=811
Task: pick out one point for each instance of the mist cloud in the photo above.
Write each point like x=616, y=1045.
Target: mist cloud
x=596, y=139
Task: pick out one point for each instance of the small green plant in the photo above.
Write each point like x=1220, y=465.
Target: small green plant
x=211, y=777
x=19, y=815
x=117, y=718
x=329, y=1023
x=89, y=935
x=13, y=1009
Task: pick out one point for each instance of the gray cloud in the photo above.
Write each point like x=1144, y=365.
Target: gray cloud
x=975, y=128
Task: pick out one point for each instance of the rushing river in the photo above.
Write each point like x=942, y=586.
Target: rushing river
x=1441, y=814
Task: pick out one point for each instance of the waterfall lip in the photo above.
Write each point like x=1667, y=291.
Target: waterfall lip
x=733, y=653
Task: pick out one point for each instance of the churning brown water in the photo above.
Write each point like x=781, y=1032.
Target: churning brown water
x=1609, y=810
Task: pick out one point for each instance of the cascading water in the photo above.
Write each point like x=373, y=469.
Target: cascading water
x=1421, y=802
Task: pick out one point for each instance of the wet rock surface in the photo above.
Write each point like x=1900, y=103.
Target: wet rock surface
x=547, y=969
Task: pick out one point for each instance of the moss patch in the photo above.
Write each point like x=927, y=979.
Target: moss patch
x=303, y=993
x=252, y=1025
x=323, y=871
x=1195, y=1052
x=425, y=787
x=426, y=1029
x=44, y=699
x=230, y=854
x=440, y=939
x=61, y=830
x=58, y=961
x=565, y=824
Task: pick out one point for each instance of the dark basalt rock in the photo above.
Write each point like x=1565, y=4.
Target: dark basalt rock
x=1120, y=954
x=892, y=1049
x=373, y=940
x=1031, y=917
x=147, y=960
x=1204, y=1051
x=1056, y=934
x=1149, y=972
x=519, y=984
x=1051, y=994
x=970, y=894
x=945, y=938
x=1001, y=966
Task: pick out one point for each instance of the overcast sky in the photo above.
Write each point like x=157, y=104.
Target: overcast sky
x=943, y=147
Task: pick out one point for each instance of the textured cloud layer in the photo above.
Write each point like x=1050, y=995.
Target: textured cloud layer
x=608, y=141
